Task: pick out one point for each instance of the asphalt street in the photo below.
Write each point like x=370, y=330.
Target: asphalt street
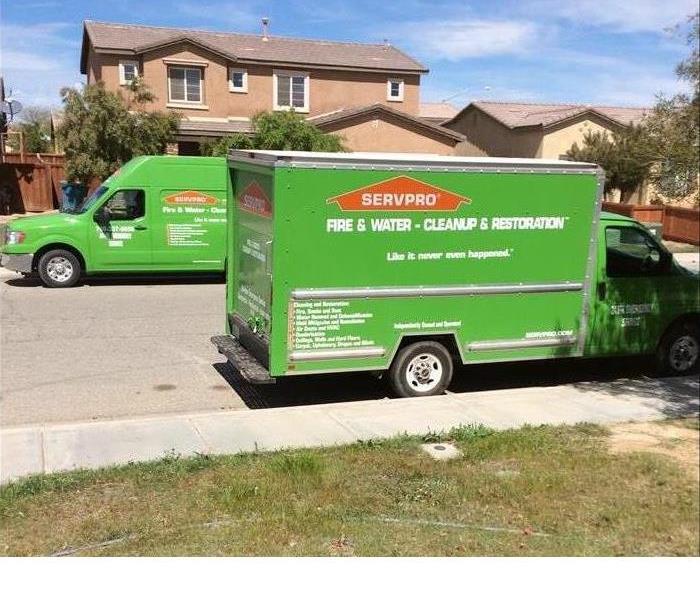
x=110, y=348
x=129, y=347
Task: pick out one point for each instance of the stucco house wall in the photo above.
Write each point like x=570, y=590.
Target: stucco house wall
x=329, y=89
x=557, y=141
x=495, y=139
x=385, y=135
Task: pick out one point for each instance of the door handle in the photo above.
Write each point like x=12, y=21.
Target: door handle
x=602, y=290
x=140, y=227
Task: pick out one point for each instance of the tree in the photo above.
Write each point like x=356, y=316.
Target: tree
x=101, y=130
x=278, y=131
x=674, y=127
x=35, y=125
x=626, y=156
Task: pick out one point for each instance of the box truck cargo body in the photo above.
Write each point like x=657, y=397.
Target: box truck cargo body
x=409, y=263
x=155, y=214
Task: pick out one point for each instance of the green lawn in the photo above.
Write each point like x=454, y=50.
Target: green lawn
x=531, y=491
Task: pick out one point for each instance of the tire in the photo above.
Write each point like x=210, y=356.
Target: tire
x=679, y=349
x=59, y=269
x=421, y=369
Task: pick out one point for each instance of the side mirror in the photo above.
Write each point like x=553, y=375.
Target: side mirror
x=665, y=262
x=102, y=215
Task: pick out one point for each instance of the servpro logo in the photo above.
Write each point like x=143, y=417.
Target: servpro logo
x=190, y=197
x=253, y=199
x=399, y=194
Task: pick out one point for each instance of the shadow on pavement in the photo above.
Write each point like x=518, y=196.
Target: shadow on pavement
x=304, y=390
x=130, y=279
x=619, y=377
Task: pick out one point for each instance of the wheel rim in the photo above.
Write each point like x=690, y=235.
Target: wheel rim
x=684, y=353
x=59, y=269
x=424, y=372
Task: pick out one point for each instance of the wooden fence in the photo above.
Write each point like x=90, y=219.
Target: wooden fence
x=678, y=224
x=30, y=182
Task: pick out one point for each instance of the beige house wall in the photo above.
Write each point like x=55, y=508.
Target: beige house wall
x=328, y=89
x=494, y=139
x=380, y=135
x=556, y=142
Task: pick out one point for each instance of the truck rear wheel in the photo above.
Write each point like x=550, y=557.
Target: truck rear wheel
x=59, y=268
x=679, y=349
x=421, y=369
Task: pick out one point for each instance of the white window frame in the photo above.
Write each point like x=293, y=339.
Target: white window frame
x=275, y=101
x=122, y=75
x=240, y=90
x=185, y=67
x=391, y=98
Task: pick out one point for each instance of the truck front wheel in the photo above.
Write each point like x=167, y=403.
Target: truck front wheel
x=421, y=369
x=59, y=268
x=679, y=349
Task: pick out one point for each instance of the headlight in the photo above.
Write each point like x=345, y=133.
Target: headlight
x=14, y=237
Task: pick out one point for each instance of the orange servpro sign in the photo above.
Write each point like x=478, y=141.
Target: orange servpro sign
x=253, y=199
x=190, y=197
x=399, y=194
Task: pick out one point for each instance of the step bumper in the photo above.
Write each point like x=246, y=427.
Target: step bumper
x=243, y=361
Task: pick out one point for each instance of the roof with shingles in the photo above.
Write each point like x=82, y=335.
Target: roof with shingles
x=522, y=114
x=378, y=110
x=125, y=38
x=437, y=110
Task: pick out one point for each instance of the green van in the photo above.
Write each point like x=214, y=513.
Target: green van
x=156, y=214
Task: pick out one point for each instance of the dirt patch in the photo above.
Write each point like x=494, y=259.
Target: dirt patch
x=673, y=439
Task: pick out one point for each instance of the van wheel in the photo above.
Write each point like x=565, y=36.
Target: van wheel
x=421, y=369
x=59, y=269
x=679, y=349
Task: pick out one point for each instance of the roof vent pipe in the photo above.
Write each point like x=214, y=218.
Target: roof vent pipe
x=265, y=27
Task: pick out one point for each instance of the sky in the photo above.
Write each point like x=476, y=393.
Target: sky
x=611, y=52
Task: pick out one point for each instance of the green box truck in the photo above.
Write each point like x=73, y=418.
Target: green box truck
x=155, y=214
x=408, y=264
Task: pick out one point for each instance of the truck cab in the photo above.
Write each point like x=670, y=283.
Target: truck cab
x=155, y=214
x=644, y=301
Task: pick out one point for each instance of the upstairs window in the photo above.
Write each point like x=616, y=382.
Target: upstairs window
x=128, y=71
x=394, y=90
x=185, y=84
x=290, y=91
x=238, y=80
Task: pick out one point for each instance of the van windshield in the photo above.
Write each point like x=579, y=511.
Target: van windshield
x=90, y=200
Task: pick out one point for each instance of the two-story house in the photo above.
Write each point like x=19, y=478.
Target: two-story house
x=367, y=93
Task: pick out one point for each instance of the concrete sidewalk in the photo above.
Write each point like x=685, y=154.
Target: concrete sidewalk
x=47, y=449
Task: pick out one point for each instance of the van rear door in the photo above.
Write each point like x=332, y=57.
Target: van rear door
x=253, y=245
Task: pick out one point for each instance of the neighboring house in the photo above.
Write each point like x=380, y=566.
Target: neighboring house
x=380, y=128
x=530, y=130
x=437, y=112
x=218, y=81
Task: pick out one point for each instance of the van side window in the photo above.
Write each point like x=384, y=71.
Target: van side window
x=631, y=252
x=127, y=205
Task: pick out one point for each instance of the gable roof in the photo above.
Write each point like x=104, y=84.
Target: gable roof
x=134, y=39
x=437, y=112
x=521, y=114
x=378, y=110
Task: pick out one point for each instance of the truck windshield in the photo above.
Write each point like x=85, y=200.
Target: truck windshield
x=90, y=200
